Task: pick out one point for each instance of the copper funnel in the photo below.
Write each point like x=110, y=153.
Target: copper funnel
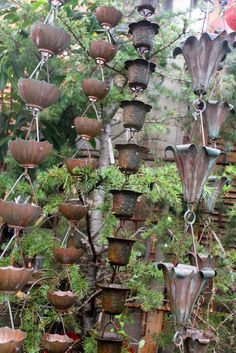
x=119, y=251
x=113, y=298
x=108, y=16
x=147, y=8
x=203, y=260
x=209, y=199
x=67, y=256
x=87, y=128
x=130, y=156
x=139, y=72
x=102, y=52
x=11, y=340
x=73, y=210
x=13, y=279
x=95, y=90
x=109, y=343
x=53, y=343
x=134, y=114
x=61, y=301
x=124, y=203
x=143, y=33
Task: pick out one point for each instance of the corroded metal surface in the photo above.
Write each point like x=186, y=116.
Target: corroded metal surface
x=29, y=153
x=54, y=343
x=147, y=8
x=68, y=256
x=13, y=279
x=130, y=156
x=139, y=72
x=62, y=301
x=194, y=165
x=102, y=52
x=134, y=114
x=19, y=215
x=113, y=298
x=196, y=341
x=87, y=128
x=109, y=343
x=108, y=16
x=72, y=163
x=94, y=89
x=73, y=210
x=209, y=199
x=38, y=94
x=49, y=39
x=11, y=341
x=124, y=203
x=119, y=251
x=203, y=260
x=143, y=33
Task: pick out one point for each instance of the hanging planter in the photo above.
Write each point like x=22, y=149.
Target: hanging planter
x=194, y=165
x=203, y=260
x=209, y=199
x=196, y=341
x=73, y=210
x=71, y=164
x=139, y=71
x=147, y=8
x=11, y=341
x=109, y=343
x=134, y=114
x=108, y=16
x=184, y=284
x=61, y=301
x=124, y=203
x=143, y=33
x=202, y=57
x=13, y=279
x=130, y=156
x=54, y=343
x=29, y=153
x=214, y=117
x=102, y=52
x=67, y=256
x=119, y=251
x=49, y=40
x=113, y=298
x=87, y=128
x=38, y=94
x=95, y=90
x=18, y=215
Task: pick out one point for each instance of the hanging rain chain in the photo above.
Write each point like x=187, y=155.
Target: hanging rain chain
x=199, y=106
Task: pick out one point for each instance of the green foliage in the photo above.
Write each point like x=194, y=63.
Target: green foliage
x=78, y=282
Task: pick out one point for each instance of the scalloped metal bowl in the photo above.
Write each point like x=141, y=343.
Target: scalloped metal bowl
x=11, y=340
x=54, y=343
x=102, y=52
x=87, y=128
x=108, y=16
x=95, y=90
x=67, y=256
x=72, y=163
x=61, y=301
x=13, y=279
x=73, y=210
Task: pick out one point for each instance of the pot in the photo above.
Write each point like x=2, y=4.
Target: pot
x=67, y=256
x=119, y=251
x=29, y=153
x=124, y=203
x=71, y=164
x=11, y=341
x=49, y=39
x=13, y=279
x=18, y=215
x=109, y=343
x=130, y=156
x=73, y=210
x=143, y=33
x=134, y=114
x=38, y=94
x=54, y=343
x=108, y=16
x=61, y=301
x=102, y=52
x=147, y=8
x=139, y=71
x=113, y=298
x=95, y=90
x=87, y=128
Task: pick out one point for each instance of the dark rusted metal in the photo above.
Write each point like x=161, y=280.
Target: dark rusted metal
x=87, y=128
x=139, y=72
x=130, y=156
x=29, y=153
x=18, y=215
x=119, y=251
x=113, y=298
x=124, y=203
x=61, y=301
x=108, y=16
x=13, y=279
x=54, y=343
x=134, y=114
x=95, y=90
x=147, y=8
x=71, y=164
x=209, y=199
x=143, y=33
x=49, y=39
x=109, y=343
x=194, y=165
x=184, y=284
x=11, y=341
x=196, y=341
x=203, y=260
x=73, y=210
x=202, y=57
x=214, y=117
x=67, y=256
x=102, y=52
x=38, y=94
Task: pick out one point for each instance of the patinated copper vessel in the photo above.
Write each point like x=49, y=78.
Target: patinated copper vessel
x=130, y=156
x=139, y=72
x=108, y=16
x=203, y=260
x=38, y=94
x=143, y=33
x=196, y=341
x=71, y=164
x=215, y=186
x=202, y=57
x=214, y=117
x=54, y=343
x=95, y=90
x=73, y=210
x=119, y=251
x=194, y=165
x=109, y=343
x=124, y=203
x=102, y=52
x=87, y=128
x=113, y=298
x=13, y=279
x=49, y=39
x=29, y=153
x=134, y=114
x=147, y=8
x=11, y=341
x=18, y=215
x=67, y=256
x=61, y=301
x=184, y=284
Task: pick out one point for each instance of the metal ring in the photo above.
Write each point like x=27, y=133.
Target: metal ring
x=209, y=7
x=199, y=105
x=187, y=217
